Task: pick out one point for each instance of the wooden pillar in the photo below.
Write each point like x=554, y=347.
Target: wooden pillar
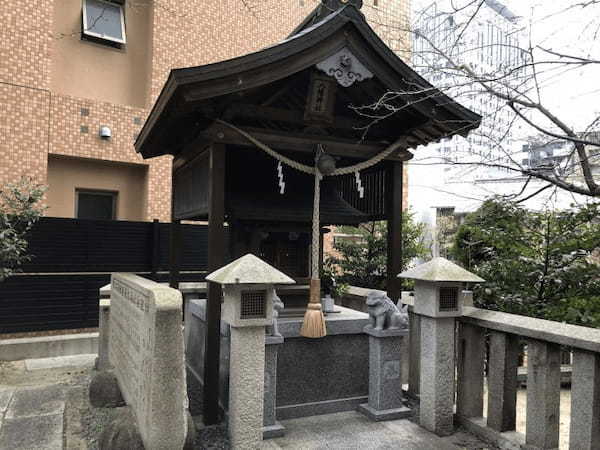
x=393, y=193
x=216, y=259
x=155, y=258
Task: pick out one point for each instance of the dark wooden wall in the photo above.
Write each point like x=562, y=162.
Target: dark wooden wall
x=190, y=189
x=374, y=183
x=73, y=258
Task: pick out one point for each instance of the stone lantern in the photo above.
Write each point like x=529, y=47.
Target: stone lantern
x=439, y=299
x=248, y=294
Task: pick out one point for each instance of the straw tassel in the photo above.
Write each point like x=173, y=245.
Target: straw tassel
x=313, y=325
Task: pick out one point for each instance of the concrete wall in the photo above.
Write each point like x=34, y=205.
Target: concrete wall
x=66, y=175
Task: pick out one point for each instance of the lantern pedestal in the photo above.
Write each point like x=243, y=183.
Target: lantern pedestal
x=248, y=296
x=246, y=384
x=439, y=299
x=436, y=410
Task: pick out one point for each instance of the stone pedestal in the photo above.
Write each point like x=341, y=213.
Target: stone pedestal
x=414, y=366
x=271, y=428
x=246, y=386
x=385, y=375
x=102, y=361
x=437, y=375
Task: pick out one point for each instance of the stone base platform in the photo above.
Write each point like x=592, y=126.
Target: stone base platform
x=273, y=431
x=352, y=430
x=314, y=376
x=387, y=414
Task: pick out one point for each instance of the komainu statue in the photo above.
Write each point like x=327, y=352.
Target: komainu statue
x=273, y=330
x=383, y=314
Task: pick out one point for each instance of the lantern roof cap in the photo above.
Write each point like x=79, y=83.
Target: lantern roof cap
x=249, y=269
x=440, y=269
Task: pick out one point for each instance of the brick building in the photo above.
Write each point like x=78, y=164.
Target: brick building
x=60, y=86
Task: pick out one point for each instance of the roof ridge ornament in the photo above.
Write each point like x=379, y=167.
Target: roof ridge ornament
x=345, y=68
x=334, y=5
x=356, y=3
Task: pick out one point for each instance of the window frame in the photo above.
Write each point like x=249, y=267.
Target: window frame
x=86, y=32
x=113, y=194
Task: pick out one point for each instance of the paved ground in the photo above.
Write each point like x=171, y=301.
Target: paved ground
x=44, y=406
x=351, y=430
x=34, y=401
x=32, y=418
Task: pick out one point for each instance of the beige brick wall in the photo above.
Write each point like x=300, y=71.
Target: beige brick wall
x=34, y=121
x=25, y=42
x=24, y=116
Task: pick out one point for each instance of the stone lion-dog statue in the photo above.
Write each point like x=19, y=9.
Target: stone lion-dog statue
x=273, y=329
x=383, y=314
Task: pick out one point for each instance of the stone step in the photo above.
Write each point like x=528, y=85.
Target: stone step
x=33, y=418
x=83, y=361
x=47, y=346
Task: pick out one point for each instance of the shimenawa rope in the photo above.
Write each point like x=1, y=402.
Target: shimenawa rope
x=313, y=325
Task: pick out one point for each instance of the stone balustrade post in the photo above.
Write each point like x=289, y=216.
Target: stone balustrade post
x=543, y=395
x=502, y=381
x=585, y=401
x=471, y=358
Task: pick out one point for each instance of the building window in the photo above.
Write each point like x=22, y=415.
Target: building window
x=101, y=205
x=104, y=21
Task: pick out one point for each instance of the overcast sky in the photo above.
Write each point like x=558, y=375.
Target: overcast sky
x=561, y=26
x=573, y=93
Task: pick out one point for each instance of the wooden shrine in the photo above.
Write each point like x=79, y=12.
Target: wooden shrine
x=295, y=98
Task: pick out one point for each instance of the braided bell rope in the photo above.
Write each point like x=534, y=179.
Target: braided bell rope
x=316, y=223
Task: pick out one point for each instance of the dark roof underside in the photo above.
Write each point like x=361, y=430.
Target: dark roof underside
x=296, y=208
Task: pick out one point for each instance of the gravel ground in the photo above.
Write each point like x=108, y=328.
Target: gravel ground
x=213, y=438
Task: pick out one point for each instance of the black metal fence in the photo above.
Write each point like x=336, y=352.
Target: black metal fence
x=73, y=258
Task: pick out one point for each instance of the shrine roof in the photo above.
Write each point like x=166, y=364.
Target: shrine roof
x=267, y=90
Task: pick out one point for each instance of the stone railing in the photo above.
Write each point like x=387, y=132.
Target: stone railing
x=504, y=332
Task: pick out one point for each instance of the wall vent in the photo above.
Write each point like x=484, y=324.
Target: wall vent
x=448, y=299
x=253, y=305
